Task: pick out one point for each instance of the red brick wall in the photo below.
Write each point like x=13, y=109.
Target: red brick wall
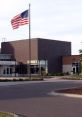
x=70, y=59
x=20, y=49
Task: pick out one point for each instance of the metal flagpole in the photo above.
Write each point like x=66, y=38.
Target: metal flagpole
x=29, y=45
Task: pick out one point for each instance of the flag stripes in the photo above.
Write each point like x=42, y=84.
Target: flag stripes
x=20, y=20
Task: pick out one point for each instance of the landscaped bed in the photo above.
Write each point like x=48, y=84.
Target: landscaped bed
x=71, y=91
x=72, y=77
x=10, y=79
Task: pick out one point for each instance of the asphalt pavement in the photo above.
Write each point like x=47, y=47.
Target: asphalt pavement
x=32, y=98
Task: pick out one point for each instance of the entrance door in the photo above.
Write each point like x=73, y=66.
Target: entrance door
x=74, y=70
x=7, y=71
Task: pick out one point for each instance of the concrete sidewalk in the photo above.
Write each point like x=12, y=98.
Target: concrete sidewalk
x=53, y=79
x=9, y=83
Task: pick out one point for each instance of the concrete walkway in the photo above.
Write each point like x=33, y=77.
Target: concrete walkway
x=54, y=79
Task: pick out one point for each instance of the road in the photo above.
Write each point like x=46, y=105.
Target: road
x=32, y=99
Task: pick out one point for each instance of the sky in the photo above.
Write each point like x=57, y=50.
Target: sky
x=50, y=19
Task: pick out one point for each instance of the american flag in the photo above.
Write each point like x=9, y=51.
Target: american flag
x=20, y=19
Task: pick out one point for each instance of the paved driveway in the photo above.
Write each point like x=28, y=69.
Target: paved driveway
x=32, y=100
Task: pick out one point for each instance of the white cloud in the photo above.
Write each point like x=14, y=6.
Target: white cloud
x=55, y=19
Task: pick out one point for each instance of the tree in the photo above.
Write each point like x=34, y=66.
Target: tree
x=80, y=52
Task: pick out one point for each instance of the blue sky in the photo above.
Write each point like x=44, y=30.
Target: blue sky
x=52, y=19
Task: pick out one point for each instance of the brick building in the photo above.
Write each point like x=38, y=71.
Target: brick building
x=45, y=53
x=71, y=64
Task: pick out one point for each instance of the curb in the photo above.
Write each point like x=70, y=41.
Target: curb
x=18, y=115
x=65, y=94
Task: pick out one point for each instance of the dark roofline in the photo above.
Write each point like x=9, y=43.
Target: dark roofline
x=51, y=39
x=37, y=39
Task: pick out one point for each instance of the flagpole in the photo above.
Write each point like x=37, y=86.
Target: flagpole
x=29, y=45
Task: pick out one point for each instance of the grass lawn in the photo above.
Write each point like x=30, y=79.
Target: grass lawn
x=72, y=77
x=2, y=114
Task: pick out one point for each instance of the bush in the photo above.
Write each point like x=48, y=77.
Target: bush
x=55, y=74
x=20, y=79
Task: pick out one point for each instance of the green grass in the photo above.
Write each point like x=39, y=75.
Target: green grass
x=73, y=77
x=2, y=114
